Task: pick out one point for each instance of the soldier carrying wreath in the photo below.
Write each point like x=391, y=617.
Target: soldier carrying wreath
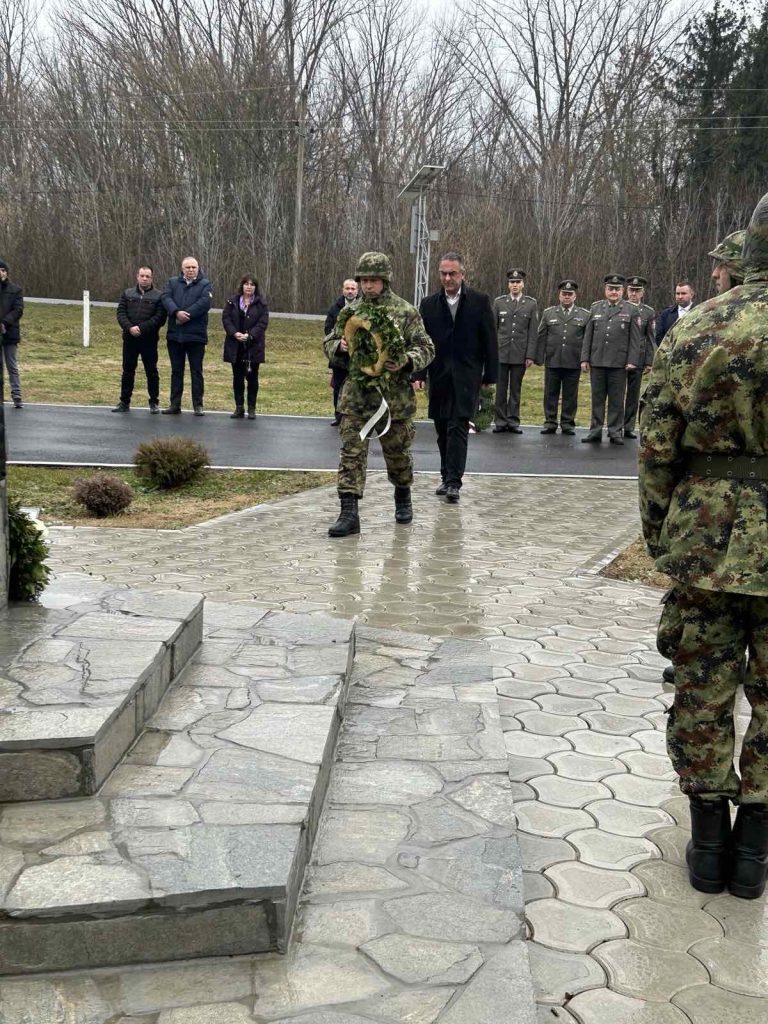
x=383, y=341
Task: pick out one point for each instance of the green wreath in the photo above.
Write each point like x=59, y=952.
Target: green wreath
x=373, y=338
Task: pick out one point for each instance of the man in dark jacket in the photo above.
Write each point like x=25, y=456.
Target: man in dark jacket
x=140, y=313
x=460, y=322
x=684, y=296
x=11, y=311
x=339, y=373
x=187, y=299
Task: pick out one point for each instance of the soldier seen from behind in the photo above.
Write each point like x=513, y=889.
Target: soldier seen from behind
x=704, y=507
x=612, y=346
x=636, y=286
x=383, y=341
x=560, y=337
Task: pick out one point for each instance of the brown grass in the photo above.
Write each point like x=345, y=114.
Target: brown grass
x=634, y=565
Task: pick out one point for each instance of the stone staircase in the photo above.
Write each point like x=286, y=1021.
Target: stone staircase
x=162, y=793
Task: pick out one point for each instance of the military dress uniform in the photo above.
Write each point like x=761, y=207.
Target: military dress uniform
x=611, y=340
x=704, y=506
x=358, y=403
x=517, y=322
x=559, y=343
x=647, y=316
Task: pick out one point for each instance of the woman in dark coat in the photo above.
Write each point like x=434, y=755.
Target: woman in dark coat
x=245, y=318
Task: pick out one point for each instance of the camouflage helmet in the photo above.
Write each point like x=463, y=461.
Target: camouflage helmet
x=374, y=264
x=728, y=251
x=755, y=254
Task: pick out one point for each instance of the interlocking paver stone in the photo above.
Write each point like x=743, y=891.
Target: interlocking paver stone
x=637, y=970
x=589, y=886
x=601, y=744
x=707, y=1004
x=627, y=819
x=658, y=924
x=606, y=850
x=542, y=819
x=558, y=975
x=565, y=792
x=574, y=765
x=572, y=929
x=735, y=965
x=602, y=1006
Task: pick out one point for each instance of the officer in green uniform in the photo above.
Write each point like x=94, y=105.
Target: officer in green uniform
x=611, y=347
x=517, y=322
x=728, y=270
x=359, y=403
x=704, y=508
x=636, y=286
x=558, y=347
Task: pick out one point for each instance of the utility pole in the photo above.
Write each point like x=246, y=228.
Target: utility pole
x=421, y=236
x=301, y=129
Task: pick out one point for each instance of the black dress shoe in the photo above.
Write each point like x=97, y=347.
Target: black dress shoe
x=154, y=407
x=549, y=430
x=616, y=440
x=567, y=430
x=336, y=421
x=515, y=430
x=172, y=410
x=592, y=439
x=199, y=410
x=630, y=434
x=668, y=675
x=441, y=489
x=451, y=494
x=121, y=407
x=500, y=430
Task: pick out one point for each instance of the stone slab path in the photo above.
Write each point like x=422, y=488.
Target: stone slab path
x=615, y=934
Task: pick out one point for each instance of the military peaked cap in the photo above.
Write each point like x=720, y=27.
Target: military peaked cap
x=516, y=274
x=636, y=282
x=614, y=279
x=569, y=285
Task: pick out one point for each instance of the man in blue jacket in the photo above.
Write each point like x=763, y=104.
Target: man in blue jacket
x=187, y=299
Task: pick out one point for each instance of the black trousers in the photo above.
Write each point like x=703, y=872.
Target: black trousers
x=508, y=388
x=337, y=379
x=452, y=437
x=133, y=349
x=559, y=381
x=608, y=385
x=241, y=377
x=194, y=353
x=632, y=398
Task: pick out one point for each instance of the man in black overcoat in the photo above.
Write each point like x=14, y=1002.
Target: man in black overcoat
x=460, y=322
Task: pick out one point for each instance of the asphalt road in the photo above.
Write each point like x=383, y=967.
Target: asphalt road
x=95, y=436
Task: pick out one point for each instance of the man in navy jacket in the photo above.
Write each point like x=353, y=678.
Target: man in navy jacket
x=187, y=299
x=460, y=322
x=684, y=295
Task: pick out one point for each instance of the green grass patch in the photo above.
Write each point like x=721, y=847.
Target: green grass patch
x=56, y=368
x=213, y=494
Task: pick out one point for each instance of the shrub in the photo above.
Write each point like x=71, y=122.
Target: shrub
x=170, y=461
x=103, y=495
x=28, y=550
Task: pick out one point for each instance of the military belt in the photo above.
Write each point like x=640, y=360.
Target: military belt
x=729, y=467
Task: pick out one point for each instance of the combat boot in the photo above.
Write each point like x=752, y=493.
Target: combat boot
x=403, y=506
x=348, y=521
x=238, y=414
x=749, y=852
x=707, y=854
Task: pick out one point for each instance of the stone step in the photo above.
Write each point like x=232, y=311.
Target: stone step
x=196, y=845
x=78, y=683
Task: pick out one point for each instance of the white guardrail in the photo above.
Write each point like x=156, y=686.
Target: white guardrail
x=86, y=302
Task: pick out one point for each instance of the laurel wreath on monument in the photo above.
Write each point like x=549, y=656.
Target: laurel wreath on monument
x=373, y=338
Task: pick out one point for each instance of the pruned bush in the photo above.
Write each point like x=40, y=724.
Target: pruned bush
x=28, y=551
x=170, y=461
x=102, y=494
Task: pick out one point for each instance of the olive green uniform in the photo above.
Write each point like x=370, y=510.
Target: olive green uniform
x=558, y=346
x=647, y=316
x=611, y=341
x=517, y=322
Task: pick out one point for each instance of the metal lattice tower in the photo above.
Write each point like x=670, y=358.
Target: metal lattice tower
x=416, y=190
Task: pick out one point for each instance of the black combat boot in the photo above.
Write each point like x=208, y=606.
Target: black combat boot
x=238, y=414
x=749, y=852
x=707, y=854
x=348, y=521
x=403, y=506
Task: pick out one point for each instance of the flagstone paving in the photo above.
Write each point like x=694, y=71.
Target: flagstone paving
x=408, y=914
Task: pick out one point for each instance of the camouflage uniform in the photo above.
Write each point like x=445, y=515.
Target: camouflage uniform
x=358, y=403
x=705, y=521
